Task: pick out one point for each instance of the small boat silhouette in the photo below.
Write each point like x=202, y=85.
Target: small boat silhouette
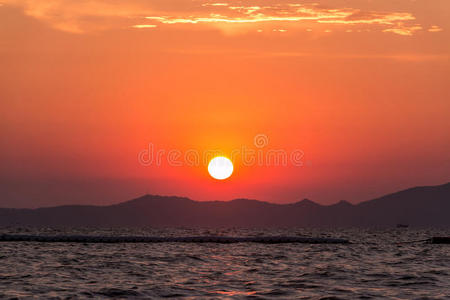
x=402, y=225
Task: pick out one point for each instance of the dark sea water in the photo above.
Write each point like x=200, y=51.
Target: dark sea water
x=379, y=264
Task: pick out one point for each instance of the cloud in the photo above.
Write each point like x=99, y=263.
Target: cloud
x=288, y=13
x=90, y=15
x=144, y=26
x=82, y=15
x=404, y=30
x=435, y=28
x=294, y=13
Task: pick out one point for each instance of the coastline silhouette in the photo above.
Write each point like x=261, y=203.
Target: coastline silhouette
x=418, y=207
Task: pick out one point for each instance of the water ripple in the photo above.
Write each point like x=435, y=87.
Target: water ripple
x=374, y=267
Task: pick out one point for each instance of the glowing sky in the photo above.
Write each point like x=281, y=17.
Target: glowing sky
x=361, y=88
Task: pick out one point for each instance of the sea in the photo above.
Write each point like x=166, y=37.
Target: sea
x=378, y=264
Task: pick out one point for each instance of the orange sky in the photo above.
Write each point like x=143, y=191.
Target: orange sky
x=361, y=88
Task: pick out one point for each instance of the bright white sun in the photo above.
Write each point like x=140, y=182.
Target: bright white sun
x=220, y=167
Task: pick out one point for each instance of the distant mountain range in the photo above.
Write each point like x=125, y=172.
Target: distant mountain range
x=418, y=207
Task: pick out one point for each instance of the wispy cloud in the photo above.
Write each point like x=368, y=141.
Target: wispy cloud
x=144, y=26
x=288, y=13
x=300, y=14
x=404, y=30
x=435, y=28
x=82, y=16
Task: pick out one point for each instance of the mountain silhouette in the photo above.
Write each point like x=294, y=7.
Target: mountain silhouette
x=419, y=206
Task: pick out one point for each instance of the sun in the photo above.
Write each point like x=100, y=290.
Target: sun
x=220, y=168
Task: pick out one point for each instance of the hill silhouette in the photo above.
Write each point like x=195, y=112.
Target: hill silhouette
x=419, y=206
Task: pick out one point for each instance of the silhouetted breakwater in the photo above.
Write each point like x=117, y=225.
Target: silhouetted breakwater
x=439, y=240
x=143, y=239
